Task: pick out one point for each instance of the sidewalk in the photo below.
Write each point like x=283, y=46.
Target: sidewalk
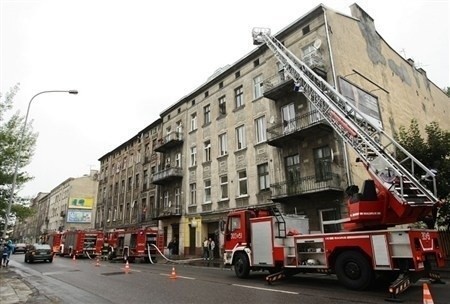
x=13, y=289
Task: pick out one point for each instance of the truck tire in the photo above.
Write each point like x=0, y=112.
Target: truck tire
x=353, y=270
x=241, y=266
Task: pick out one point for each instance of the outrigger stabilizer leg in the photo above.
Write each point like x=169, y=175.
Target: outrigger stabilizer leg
x=397, y=287
x=275, y=277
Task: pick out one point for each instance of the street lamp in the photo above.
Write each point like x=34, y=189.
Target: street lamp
x=19, y=152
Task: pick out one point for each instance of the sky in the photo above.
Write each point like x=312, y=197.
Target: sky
x=130, y=60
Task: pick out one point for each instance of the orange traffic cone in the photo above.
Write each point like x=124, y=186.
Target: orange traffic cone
x=173, y=275
x=74, y=258
x=97, y=262
x=427, y=299
x=127, y=267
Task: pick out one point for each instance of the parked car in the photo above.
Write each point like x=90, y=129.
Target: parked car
x=20, y=247
x=38, y=252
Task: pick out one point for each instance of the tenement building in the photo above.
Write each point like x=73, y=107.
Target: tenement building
x=245, y=137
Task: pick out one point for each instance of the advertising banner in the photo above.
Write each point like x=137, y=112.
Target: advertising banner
x=78, y=216
x=81, y=203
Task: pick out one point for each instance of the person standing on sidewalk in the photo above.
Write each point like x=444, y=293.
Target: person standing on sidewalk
x=205, y=249
x=6, y=252
x=211, y=246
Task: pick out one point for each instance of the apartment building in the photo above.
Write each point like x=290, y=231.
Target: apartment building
x=248, y=136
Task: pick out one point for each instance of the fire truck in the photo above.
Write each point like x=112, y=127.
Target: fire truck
x=83, y=243
x=135, y=243
x=55, y=240
x=369, y=245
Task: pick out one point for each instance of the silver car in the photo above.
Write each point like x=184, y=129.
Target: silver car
x=38, y=252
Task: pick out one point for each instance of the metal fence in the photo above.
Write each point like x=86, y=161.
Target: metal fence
x=444, y=241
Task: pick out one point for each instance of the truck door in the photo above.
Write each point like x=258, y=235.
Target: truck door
x=235, y=231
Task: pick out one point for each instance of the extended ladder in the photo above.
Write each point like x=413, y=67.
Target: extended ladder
x=370, y=142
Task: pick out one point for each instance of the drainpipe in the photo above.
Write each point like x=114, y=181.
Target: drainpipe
x=333, y=71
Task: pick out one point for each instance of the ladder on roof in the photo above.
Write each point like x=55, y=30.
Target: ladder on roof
x=281, y=223
x=374, y=147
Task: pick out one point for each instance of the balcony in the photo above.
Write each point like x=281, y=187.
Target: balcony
x=309, y=124
x=166, y=212
x=167, y=175
x=306, y=185
x=168, y=142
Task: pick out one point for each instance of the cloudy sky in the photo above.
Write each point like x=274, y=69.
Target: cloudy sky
x=132, y=59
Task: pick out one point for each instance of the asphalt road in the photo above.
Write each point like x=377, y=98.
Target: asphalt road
x=82, y=281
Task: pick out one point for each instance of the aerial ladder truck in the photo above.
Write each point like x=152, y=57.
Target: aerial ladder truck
x=262, y=238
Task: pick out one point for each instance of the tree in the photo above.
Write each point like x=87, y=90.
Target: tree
x=10, y=131
x=434, y=152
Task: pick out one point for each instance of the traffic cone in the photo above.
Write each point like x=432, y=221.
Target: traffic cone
x=427, y=299
x=74, y=258
x=127, y=267
x=173, y=275
x=97, y=262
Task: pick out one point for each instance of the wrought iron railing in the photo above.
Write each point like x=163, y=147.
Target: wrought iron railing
x=305, y=185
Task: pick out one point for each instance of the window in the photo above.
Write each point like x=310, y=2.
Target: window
x=239, y=97
x=136, y=181
x=237, y=74
x=329, y=215
x=178, y=160
x=130, y=183
x=256, y=62
x=257, y=86
x=207, y=151
x=234, y=223
x=207, y=191
x=166, y=199
x=223, y=149
x=292, y=164
x=207, y=114
x=193, y=156
x=240, y=137
x=288, y=116
x=193, y=102
x=206, y=94
x=193, y=121
x=263, y=177
x=242, y=175
x=193, y=194
x=305, y=30
x=224, y=187
x=322, y=163
x=179, y=129
x=177, y=200
x=260, y=124
x=222, y=106
x=221, y=85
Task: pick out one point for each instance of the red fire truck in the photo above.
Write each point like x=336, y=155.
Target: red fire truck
x=83, y=243
x=262, y=238
x=134, y=243
x=55, y=240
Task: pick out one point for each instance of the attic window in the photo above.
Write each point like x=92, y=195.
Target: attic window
x=237, y=74
x=256, y=63
x=193, y=102
x=305, y=30
x=206, y=94
x=220, y=84
x=179, y=110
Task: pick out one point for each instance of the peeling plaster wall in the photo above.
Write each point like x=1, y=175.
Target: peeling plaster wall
x=410, y=94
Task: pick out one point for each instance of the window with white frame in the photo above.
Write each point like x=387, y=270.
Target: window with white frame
x=193, y=156
x=207, y=114
x=207, y=151
x=263, y=177
x=193, y=121
x=257, y=86
x=193, y=194
x=260, y=124
x=224, y=187
x=222, y=106
x=223, y=145
x=240, y=137
x=177, y=200
x=166, y=199
x=207, y=191
x=242, y=184
x=239, y=97
x=178, y=160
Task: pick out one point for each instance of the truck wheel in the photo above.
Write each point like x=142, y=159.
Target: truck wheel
x=241, y=266
x=354, y=271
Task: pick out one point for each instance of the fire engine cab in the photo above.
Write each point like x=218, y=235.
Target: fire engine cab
x=83, y=243
x=262, y=238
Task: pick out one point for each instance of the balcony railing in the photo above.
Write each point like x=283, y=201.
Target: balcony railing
x=167, y=175
x=169, y=141
x=168, y=212
x=306, y=185
x=287, y=130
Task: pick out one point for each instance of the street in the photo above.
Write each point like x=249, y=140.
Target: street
x=82, y=281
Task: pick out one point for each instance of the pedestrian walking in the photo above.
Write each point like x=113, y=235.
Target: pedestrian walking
x=211, y=246
x=205, y=249
x=6, y=252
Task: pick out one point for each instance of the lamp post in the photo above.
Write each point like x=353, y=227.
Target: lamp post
x=19, y=152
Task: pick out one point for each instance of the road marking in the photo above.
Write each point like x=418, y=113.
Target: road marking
x=266, y=289
x=178, y=276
